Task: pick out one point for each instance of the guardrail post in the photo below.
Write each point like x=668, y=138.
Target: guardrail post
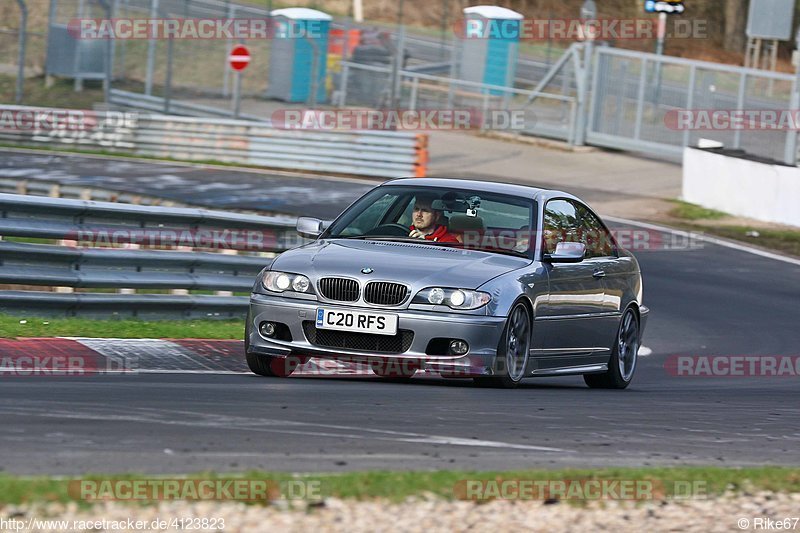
x=485, y=110
x=78, y=82
x=315, y=58
x=690, y=102
x=790, y=152
x=168, y=82
x=109, y=54
x=737, y=135
x=226, y=251
x=129, y=246
x=343, y=86
x=226, y=69
x=583, y=94
x=637, y=126
x=397, y=66
x=23, y=25
x=151, y=53
x=412, y=105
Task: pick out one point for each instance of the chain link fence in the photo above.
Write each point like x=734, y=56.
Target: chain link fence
x=624, y=98
x=23, y=38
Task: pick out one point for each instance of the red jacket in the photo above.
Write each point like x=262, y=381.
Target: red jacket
x=440, y=234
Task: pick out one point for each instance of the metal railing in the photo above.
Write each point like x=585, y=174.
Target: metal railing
x=121, y=248
x=546, y=114
x=385, y=154
x=633, y=93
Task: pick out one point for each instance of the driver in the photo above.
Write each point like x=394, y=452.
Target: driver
x=426, y=222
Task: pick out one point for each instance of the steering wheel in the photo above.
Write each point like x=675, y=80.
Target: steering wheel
x=390, y=230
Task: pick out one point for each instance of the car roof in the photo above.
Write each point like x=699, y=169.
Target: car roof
x=486, y=186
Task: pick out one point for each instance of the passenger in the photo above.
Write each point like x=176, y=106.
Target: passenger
x=426, y=222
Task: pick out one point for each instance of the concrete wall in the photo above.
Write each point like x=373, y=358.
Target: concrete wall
x=740, y=187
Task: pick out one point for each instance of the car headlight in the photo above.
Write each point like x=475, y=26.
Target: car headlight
x=283, y=281
x=452, y=298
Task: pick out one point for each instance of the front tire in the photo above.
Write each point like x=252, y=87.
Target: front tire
x=624, y=356
x=512, y=351
x=269, y=366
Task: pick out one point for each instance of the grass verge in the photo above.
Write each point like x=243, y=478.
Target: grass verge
x=397, y=486
x=695, y=218
x=61, y=94
x=687, y=211
x=19, y=326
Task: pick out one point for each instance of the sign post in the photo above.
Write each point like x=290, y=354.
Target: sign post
x=239, y=58
x=663, y=8
x=588, y=14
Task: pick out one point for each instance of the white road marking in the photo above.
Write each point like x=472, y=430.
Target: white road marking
x=644, y=351
x=148, y=354
x=708, y=239
x=182, y=418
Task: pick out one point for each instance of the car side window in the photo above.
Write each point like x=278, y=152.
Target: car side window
x=407, y=215
x=373, y=215
x=561, y=224
x=594, y=235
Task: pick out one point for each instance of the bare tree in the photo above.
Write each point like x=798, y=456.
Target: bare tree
x=735, y=25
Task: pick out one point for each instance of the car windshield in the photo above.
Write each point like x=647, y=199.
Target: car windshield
x=460, y=218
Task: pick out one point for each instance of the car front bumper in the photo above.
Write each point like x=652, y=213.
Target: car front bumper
x=482, y=333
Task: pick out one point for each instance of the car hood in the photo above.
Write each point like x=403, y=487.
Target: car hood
x=419, y=265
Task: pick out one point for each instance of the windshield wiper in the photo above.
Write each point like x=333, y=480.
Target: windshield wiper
x=378, y=238
x=461, y=246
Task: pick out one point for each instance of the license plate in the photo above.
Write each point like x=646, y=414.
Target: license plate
x=358, y=321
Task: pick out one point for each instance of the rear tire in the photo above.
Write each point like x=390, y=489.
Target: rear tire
x=624, y=356
x=512, y=351
x=269, y=366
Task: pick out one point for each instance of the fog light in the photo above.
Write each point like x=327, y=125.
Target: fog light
x=458, y=347
x=267, y=329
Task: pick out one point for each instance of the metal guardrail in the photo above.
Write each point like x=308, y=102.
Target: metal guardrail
x=385, y=154
x=105, y=245
x=55, y=189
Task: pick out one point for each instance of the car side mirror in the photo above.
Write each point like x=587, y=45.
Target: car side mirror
x=310, y=228
x=567, y=252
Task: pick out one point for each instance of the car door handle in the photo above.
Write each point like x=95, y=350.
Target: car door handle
x=599, y=274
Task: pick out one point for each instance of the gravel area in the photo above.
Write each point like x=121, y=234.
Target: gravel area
x=432, y=515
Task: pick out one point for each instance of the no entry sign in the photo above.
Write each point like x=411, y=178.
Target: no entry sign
x=239, y=57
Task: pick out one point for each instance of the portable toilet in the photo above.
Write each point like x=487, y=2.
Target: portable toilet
x=298, y=34
x=490, y=45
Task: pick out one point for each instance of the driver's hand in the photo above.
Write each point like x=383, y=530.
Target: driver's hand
x=416, y=234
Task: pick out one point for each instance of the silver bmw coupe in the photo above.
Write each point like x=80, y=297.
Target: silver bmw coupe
x=467, y=279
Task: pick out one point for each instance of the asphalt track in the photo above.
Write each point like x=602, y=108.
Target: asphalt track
x=217, y=187
x=709, y=300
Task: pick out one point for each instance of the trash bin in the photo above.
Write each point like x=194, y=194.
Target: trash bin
x=366, y=87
